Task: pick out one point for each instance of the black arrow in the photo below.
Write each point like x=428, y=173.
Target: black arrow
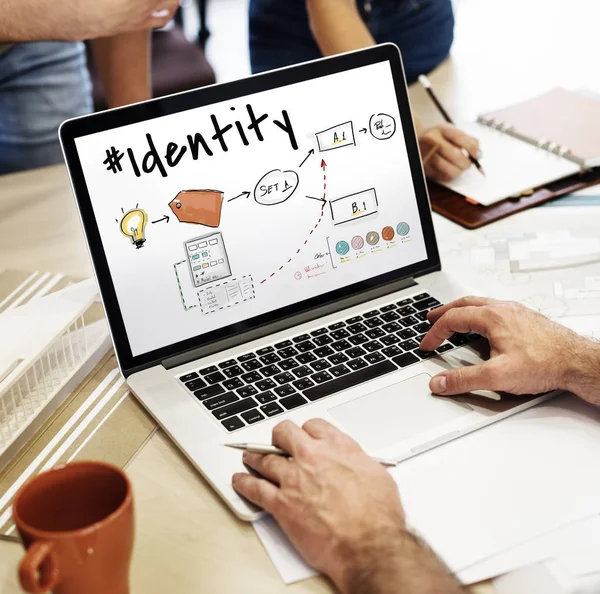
x=363, y=130
x=319, y=199
x=246, y=194
x=310, y=152
x=165, y=218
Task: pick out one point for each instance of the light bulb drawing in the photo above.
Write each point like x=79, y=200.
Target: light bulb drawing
x=133, y=225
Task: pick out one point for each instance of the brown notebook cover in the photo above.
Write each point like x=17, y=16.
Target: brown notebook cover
x=454, y=206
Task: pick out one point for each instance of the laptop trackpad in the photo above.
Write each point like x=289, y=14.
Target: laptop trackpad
x=382, y=418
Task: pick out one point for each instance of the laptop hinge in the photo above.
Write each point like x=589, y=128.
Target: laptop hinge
x=288, y=322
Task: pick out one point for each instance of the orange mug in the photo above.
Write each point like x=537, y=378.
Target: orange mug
x=76, y=522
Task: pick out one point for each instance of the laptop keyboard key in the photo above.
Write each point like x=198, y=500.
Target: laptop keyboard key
x=405, y=359
x=302, y=371
x=247, y=391
x=209, y=392
x=320, y=364
x=270, y=358
x=375, y=333
x=294, y=401
x=233, y=383
x=426, y=303
x=425, y=354
x=336, y=326
x=265, y=351
x=251, y=377
x=374, y=322
x=341, y=345
x=391, y=327
x=356, y=328
x=305, y=346
x=445, y=347
x=358, y=339
x=390, y=316
x=195, y=385
x=371, y=314
x=265, y=384
x=270, y=370
x=288, y=364
x=288, y=352
x=215, y=378
x=303, y=337
x=266, y=397
x=188, y=377
x=339, y=370
x=324, y=351
x=421, y=296
x=408, y=321
x=338, y=358
x=227, y=363
x=251, y=365
x=357, y=364
x=283, y=345
x=271, y=409
x=373, y=358
x=372, y=346
x=404, y=302
x=409, y=345
x=423, y=327
x=339, y=334
x=323, y=340
x=284, y=390
x=304, y=383
x=221, y=400
x=306, y=358
x=391, y=351
x=233, y=423
x=406, y=310
x=233, y=371
x=458, y=340
x=350, y=380
x=319, y=332
x=284, y=378
x=252, y=416
x=321, y=377
x=355, y=352
x=422, y=315
x=406, y=334
x=208, y=370
x=389, y=340
x=246, y=357
x=389, y=307
x=235, y=408
x=354, y=320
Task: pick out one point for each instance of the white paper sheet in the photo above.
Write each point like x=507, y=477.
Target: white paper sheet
x=576, y=546
x=494, y=489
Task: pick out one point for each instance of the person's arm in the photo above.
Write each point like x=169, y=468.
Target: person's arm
x=75, y=20
x=343, y=513
x=123, y=63
x=529, y=353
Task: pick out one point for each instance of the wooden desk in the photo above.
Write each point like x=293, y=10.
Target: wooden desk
x=186, y=540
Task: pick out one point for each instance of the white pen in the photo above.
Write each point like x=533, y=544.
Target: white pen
x=259, y=448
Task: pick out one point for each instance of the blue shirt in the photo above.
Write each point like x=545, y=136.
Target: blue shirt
x=280, y=34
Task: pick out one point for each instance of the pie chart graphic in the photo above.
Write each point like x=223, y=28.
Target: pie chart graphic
x=387, y=233
x=403, y=229
x=342, y=248
x=372, y=238
x=357, y=242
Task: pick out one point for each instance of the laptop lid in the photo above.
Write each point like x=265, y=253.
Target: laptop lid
x=216, y=212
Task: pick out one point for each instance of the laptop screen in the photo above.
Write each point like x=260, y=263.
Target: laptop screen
x=213, y=216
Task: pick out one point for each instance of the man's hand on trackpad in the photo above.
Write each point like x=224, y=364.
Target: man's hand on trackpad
x=529, y=353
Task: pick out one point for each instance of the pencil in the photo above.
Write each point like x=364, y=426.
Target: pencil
x=257, y=448
x=427, y=86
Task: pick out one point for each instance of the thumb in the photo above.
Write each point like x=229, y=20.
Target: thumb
x=464, y=379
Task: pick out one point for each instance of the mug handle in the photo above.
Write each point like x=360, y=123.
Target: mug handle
x=35, y=575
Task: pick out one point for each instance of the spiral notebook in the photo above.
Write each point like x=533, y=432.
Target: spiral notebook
x=531, y=144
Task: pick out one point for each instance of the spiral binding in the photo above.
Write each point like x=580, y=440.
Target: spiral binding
x=543, y=143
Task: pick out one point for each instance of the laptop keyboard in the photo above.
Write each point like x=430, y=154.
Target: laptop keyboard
x=275, y=379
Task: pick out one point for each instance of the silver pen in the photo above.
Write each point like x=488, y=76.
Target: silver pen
x=259, y=448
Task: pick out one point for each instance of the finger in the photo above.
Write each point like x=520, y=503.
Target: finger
x=461, y=139
x=290, y=438
x=258, y=491
x=485, y=376
x=272, y=467
x=438, y=312
x=321, y=429
x=464, y=319
x=443, y=169
x=454, y=155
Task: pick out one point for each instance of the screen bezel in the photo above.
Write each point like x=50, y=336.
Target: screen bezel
x=86, y=125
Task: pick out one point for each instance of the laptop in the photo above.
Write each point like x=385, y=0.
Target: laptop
x=265, y=251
